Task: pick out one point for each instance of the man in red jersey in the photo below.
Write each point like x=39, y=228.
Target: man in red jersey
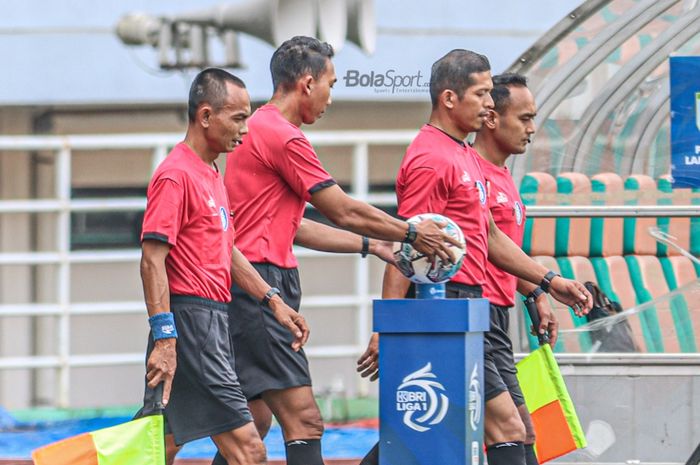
x=441, y=174
x=269, y=180
x=187, y=266
x=507, y=130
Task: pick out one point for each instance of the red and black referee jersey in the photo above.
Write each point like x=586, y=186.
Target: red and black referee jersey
x=440, y=174
x=508, y=213
x=187, y=207
x=269, y=178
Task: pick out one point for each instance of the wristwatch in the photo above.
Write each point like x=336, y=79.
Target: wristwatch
x=536, y=292
x=273, y=291
x=411, y=234
x=365, y=246
x=547, y=280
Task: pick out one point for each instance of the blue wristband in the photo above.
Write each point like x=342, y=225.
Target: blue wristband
x=163, y=326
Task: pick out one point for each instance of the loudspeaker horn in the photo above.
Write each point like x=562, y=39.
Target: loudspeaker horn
x=138, y=29
x=362, y=25
x=273, y=21
x=332, y=22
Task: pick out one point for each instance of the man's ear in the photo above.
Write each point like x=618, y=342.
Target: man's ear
x=448, y=98
x=204, y=115
x=306, y=83
x=491, y=119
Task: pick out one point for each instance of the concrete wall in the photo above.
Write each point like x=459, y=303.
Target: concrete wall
x=631, y=412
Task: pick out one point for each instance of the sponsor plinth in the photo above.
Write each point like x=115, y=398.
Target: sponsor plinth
x=431, y=389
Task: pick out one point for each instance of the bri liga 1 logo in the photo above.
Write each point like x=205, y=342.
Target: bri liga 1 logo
x=420, y=399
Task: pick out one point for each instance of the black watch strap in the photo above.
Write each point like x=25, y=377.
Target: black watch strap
x=547, y=280
x=365, y=246
x=273, y=291
x=536, y=292
x=411, y=234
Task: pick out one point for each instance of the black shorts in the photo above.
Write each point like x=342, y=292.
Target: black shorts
x=264, y=356
x=498, y=357
x=499, y=364
x=206, y=397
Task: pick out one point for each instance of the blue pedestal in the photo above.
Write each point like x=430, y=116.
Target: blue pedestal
x=431, y=390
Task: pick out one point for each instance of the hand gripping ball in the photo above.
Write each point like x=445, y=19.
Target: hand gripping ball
x=418, y=268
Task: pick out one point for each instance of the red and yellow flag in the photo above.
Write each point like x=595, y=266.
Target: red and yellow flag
x=138, y=442
x=556, y=424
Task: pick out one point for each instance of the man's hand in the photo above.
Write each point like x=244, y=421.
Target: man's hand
x=161, y=365
x=548, y=321
x=573, y=294
x=383, y=250
x=432, y=240
x=368, y=363
x=290, y=319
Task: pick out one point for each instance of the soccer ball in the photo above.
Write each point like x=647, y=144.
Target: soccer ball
x=417, y=267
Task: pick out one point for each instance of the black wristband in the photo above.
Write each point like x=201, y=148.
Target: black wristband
x=411, y=234
x=547, y=280
x=273, y=291
x=365, y=246
x=538, y=291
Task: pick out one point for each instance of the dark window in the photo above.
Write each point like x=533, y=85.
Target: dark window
x=106, y=229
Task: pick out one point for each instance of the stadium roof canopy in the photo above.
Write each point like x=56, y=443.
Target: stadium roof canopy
x=601, y=81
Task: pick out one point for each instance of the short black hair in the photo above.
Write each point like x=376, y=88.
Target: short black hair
x=454, y=72
x=296, y=57
x=501, y=89
x=209, y=86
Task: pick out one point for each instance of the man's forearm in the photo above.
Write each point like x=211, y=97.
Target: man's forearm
x=395, y=284
x=525, y=287
x=246, y=277
x=318, y=236
x=358, y=217
x=506, y=255
x=154, y=278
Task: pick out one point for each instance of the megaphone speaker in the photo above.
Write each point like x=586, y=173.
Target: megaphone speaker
x=362, y=26
x=273, y=21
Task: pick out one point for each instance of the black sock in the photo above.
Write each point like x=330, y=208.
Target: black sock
x=530, y=457
x=372, y=457
x=219, y=459
x=304, y=452
x=506, y=453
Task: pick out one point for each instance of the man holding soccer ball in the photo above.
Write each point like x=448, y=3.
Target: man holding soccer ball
x=269, y=180
x=441, y=174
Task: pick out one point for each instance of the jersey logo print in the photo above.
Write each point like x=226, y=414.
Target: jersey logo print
x=211, y=202
x=482, y=192
x=501, y=198
x=224, y=218
x=465, y=177
x=518, y=213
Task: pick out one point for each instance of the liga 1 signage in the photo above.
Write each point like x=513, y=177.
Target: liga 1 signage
x=685, y=121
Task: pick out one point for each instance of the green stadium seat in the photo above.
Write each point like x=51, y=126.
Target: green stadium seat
x=662, y=323
x=679, y=228
x=679, y=271
x=538, y=188
x=642, y=191
x=573, y=234
x=614, y=279
x=606, y=233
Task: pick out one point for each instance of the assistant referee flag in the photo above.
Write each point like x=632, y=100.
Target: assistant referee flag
x=557, y=428
x=137, y=442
